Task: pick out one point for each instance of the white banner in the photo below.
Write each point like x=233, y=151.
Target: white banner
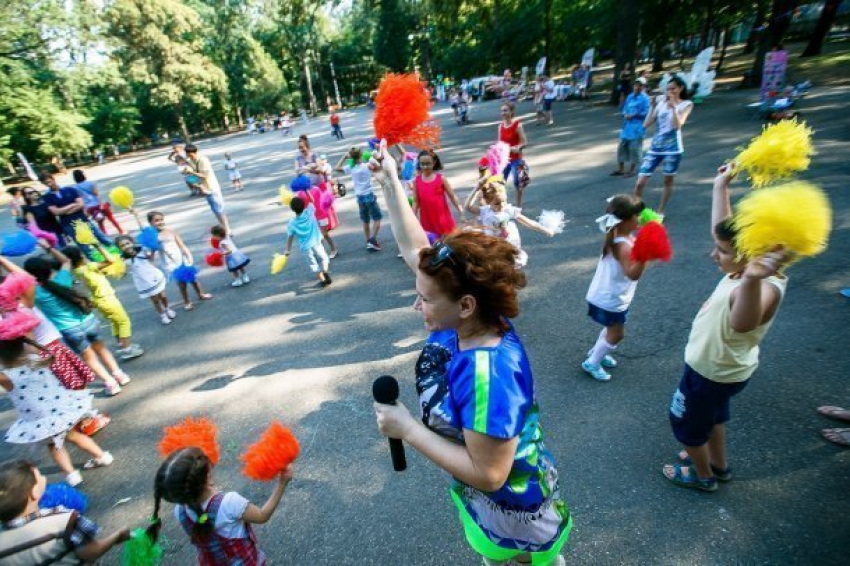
x=30, y=173
x=541, y=66
x=587, y=58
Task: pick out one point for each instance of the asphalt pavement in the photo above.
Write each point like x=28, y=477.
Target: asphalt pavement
x=280, y=349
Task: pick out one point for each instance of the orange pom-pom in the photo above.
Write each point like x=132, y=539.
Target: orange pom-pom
x=401, y=113
x=652, y=244
x=269, y=456
x=198, y=433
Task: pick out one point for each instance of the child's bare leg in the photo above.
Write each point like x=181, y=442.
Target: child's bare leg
x=90, y=357
x=376, y=226
x=125, y=343
x=615, y=333
x=667, y=193
x=327, y=235
x=642, y=180
x=156, y=304
x=699, y=461
x=104, y=354
x=163, y=299
x=62, y=459
x=85, y=443
x=366, y=231
x=184, y=294
x=717, y=446
x=196, y=285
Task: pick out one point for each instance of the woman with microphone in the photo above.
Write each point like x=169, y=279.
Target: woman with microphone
x=479, y=415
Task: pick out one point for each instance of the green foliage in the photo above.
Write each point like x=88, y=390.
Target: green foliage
x=392, y=46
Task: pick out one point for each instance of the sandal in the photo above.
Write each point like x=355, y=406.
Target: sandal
x=839, y=436
x=721, y=474
x=833, y=412
x=189, y=307
x=688, y=481
x=205, y=296
x=102, y=462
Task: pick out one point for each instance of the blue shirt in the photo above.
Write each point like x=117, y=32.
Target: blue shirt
x=638, y=107
x=306, y=229
x=59, y=311
x=86, y=190
x=63, y=197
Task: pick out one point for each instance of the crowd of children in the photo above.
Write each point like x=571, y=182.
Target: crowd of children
x=51, y=348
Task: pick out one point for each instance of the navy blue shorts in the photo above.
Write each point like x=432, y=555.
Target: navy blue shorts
x=606, y=318
x=699, y=404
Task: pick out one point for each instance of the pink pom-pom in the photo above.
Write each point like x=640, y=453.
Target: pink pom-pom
x=652, y=243
x=13, y=288
x=50, y=237
x=16, y=324
x=497, y=157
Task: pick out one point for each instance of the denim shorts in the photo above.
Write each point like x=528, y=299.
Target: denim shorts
x=629, y=151
x=547, y=104
x=653, y=160
x=699, y=404
x=606, y=318
x=216, y=204
x=80, y=337
x=369, y=209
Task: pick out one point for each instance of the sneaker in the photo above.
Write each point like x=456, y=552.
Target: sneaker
x=370, y=246
x=113, y=388
x=596, y=372
x=661, y=218
x=376, y=246
x=164, y=318
x=607, y=362
x=122, y=378
x=74, y=479
x=171, y=314
x=328, y=279
x=130, y=352
x=93, y=425
x=333, y=254
x=246, y=279
x=102, y=462
x=237, y=283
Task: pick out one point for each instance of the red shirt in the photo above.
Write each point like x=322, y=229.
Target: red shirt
x=334, y=120
x=510, y=135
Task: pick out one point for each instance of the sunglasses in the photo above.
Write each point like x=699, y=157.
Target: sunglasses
x=443, y=254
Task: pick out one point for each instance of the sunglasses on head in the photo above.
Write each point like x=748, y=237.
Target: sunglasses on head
x=444, y=253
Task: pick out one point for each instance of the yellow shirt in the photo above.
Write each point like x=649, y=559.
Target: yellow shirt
x=714, y=349
x=96, y=281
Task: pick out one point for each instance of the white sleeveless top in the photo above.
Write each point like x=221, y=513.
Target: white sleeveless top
x=610, y=289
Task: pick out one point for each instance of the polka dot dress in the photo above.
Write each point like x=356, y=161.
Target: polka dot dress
x=67, y=366
x=46, y=410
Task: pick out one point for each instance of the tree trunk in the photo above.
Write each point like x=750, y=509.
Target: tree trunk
x=726, y=38
x=658, y=54
x=752, y=40
x=827, y=17
x=181, y=123
x=628, y=18
x=312, y=97
x=780, y=19
x=707, y=25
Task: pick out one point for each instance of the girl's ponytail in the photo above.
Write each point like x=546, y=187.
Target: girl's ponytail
x=156, y=523
x=182, y=478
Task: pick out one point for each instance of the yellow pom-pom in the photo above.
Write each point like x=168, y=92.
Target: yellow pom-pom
x=278, y=263
x=795, y=215
x=117, y=269
x=121, y=196
x=781, y=150
x=83, y=233
x=285, y=196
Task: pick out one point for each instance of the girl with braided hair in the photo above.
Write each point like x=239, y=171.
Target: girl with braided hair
x=218, y=523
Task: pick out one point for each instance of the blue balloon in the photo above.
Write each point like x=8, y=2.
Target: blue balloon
x=185, y=274
x=19, y=243
x=149, y=238
x=63, y=495
x=300, y=183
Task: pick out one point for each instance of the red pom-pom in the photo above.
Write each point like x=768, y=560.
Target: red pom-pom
x=652, y=244
x=191, y=433
x=215, y=242
x=215, y=259
x=401, y=113
x=269, y=456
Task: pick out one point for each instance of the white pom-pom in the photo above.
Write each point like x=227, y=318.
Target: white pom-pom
x=552, y=220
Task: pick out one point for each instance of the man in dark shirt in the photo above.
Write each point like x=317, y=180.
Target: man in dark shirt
x=66, y=204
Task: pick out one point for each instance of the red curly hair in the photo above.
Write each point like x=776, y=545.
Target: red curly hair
x=484, y=267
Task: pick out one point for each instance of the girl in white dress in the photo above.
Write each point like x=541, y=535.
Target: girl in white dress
x=173, y=253
x=233, y=173
x=149, y=279
x=47, y=412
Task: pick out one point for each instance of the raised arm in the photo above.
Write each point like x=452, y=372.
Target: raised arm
x=650, y=118
x=534, y=225
x=471, y=201
x=408, y=233
x=721, y=205
x=259, y=515
x=57, y=255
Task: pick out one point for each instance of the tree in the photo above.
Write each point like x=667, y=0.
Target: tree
x=628, y=16
x=827, y=18
x=160, y=46
x=392, y=47
x=781, y=13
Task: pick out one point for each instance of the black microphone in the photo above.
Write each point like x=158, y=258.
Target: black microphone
x=385, y=391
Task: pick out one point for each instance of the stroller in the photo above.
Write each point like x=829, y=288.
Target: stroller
x=462, y=113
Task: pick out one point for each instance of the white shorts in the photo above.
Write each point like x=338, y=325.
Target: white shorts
x=314, y=255
x=234, y=175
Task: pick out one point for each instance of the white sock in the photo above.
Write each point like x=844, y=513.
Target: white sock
x=601, y=349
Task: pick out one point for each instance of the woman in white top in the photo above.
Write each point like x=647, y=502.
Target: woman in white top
x=669, y=113
x=614, y=283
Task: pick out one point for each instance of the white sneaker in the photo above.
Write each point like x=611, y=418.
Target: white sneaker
x=246, y=279
x=171, y=314
x=122, y=378
x=164, y=318
x=596, y=372
x=130, y=352
x=237, y=283
x=102, y=462
x=74, y=479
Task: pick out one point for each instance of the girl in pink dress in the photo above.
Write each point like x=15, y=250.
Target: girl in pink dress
x=430, y=189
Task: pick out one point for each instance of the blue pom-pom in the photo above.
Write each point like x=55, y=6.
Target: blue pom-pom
x=185, y=274
x=300, y=183
x=149, y=238
x=409, y=170
x=21, y=242
x=432, y=237
x=63, y=495
x=373, y=143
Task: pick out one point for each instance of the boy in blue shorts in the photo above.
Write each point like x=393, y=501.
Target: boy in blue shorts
x=367, y=202
x=723, y=349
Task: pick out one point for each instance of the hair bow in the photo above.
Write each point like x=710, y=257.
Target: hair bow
x=606, y=222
